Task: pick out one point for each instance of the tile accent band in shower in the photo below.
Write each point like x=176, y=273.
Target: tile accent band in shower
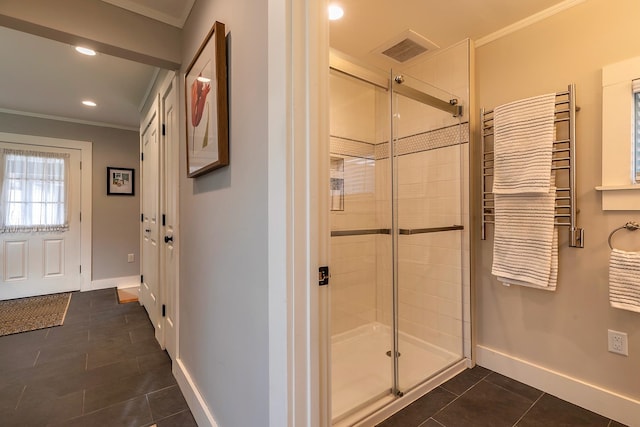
x=424, y=141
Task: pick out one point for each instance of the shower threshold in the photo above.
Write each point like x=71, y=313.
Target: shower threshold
x=361, y=371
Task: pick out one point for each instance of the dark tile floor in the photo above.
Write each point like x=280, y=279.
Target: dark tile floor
x=479, y=397
x=103, y=367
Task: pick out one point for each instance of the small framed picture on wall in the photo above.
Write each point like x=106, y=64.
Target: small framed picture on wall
x=120, y=181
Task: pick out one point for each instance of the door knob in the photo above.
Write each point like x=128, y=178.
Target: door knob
x=168, y=239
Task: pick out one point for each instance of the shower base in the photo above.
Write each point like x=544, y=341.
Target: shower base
x=361, y=366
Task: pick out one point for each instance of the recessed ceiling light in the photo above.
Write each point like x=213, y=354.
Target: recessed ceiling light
x=203, y=79
x=89, y=103
x=335, y=12
x=86, y=51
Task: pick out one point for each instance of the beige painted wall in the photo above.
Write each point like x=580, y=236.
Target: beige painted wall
x=565, y=331
x=116, y=219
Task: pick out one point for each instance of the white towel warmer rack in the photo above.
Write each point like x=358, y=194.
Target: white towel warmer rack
x=564, y=165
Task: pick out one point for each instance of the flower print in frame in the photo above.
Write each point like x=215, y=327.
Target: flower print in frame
x=206, y=105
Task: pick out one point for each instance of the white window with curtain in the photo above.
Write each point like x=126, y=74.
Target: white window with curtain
x=34, y=191
x=635, y=147
x=620, y=136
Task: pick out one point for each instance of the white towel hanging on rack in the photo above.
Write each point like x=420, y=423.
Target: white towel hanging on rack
x=553, y=276
x=523, y=246
x=524, y=131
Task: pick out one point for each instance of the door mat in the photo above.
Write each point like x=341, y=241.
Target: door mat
x=29, y=314
x=127, y=295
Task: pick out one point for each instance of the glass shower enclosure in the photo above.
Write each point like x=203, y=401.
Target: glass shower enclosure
x=398, y=150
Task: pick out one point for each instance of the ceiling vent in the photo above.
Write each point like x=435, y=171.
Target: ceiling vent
x=406, y=47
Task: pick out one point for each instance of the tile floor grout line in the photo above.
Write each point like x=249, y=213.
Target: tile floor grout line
x=24, y=387
x=164, y=388
x=467, y=389
x=528, y=409
x=111, y=406
x=514, y=393
x=146, y=398
x=456, y=398
x=173, y=415
x=434, y=420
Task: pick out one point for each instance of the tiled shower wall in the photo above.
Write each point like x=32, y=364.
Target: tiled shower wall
x=353, y=258
x=429, y=192
x=450, y=69
x=432, y=174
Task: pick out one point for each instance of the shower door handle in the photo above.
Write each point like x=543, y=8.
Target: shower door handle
x=323, y=276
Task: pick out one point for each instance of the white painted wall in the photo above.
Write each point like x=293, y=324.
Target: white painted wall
x=224, y=331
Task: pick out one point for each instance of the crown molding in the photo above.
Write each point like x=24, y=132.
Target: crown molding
x=530, y=20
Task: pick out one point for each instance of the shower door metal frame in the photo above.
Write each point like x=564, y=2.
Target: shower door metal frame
x=395, y=390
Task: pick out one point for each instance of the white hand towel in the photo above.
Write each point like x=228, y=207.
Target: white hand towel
x=523, y=142
x=523, y=242
x=624, y=280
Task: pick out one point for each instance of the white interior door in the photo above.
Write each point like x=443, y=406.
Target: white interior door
x=149, y=167
x=170, y=177
x=44, y=262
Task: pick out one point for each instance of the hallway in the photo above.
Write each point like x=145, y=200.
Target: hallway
x=103, y=367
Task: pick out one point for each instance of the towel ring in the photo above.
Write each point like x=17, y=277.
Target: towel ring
x=631, y=226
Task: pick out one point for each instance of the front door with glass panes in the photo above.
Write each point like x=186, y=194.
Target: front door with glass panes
x=39, y=220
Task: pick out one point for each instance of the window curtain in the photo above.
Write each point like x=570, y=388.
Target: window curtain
x=636, y=130
x=34, y=191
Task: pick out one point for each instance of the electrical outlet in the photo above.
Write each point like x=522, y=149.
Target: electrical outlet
x=618, y=342
x=131, y=258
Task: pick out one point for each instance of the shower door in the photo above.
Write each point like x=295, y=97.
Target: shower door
x=427, y=189
x=396, y=240
x=360, y=219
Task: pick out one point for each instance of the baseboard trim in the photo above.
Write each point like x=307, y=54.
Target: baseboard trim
x=113, y=282
x=590, y=396
x=192, y=395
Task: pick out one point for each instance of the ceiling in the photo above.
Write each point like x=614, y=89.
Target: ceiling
x=442, y=22
x=50, y=79
x=172, y=12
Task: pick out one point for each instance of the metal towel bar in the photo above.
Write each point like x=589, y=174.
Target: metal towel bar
x=565, y=123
